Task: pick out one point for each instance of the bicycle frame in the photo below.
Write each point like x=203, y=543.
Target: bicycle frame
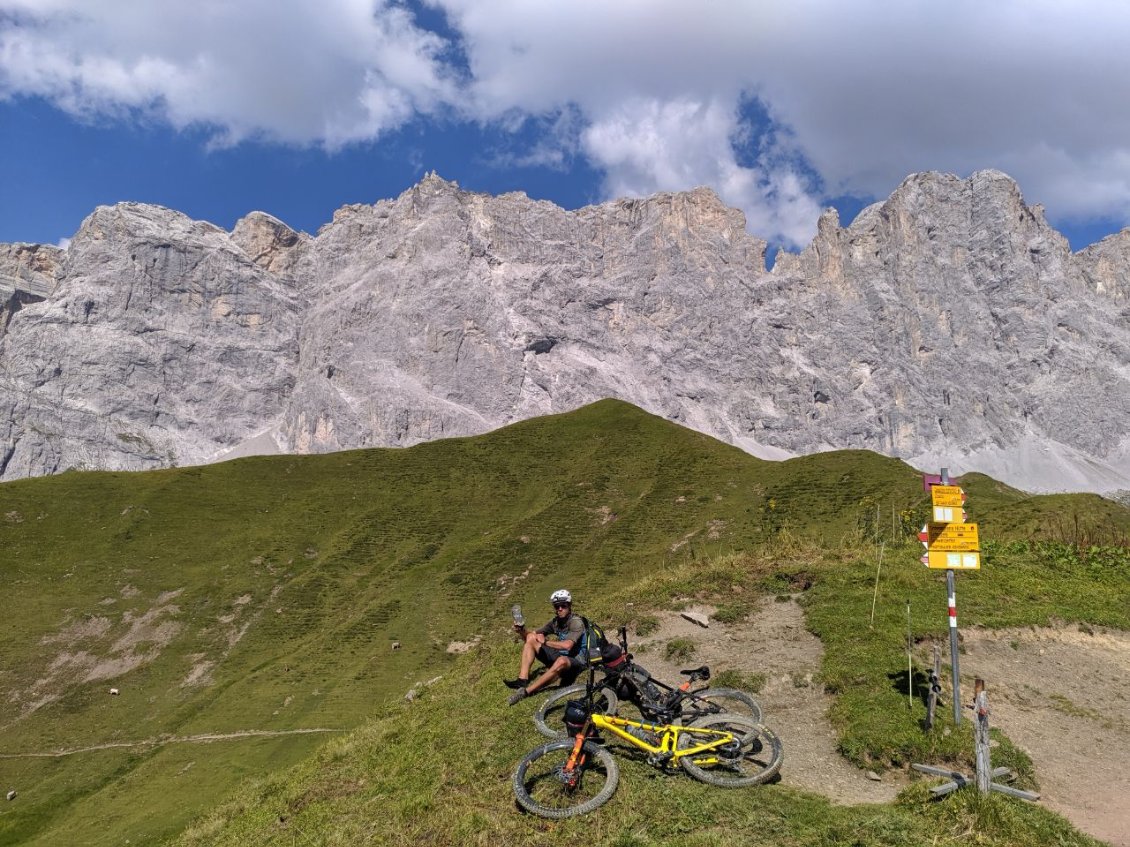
x=675, y=694
x=667, y=750
x=669, y=735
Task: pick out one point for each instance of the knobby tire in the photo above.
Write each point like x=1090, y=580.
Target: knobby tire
x=760, y=759
x=539, y=788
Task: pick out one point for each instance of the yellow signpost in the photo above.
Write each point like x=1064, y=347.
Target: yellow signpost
x=946, y=495
x=944, y=560
x=953, y=537
x=951, y=545
x=948, y=514
x=947, y=501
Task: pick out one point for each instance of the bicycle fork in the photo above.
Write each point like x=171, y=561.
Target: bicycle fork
x=572, y=773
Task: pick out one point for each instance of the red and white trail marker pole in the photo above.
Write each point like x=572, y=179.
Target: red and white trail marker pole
x=951, y=590
x=950, y=587
x=951, y=543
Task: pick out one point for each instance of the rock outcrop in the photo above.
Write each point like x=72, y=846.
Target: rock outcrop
x=948, y=325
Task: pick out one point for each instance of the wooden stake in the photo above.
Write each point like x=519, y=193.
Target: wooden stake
x=981, y=736
x=875, y=596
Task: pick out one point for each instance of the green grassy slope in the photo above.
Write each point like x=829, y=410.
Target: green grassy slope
x=438, y=770
x=265, y=594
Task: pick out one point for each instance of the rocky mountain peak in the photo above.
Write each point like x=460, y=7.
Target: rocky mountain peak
x=268, y=242
x=948, y=325
x=126, y=222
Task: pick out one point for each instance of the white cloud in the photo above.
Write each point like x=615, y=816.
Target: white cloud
x=329, y=72
x=659, y=82
x=653, y=145
x=648, y=90
x=1037, y=89
x=871, y=90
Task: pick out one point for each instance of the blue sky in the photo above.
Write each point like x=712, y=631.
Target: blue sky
x=294, y=107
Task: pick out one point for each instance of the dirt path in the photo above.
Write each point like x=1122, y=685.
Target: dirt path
x=1063, y=696
x=160, y=741
x=775, y=642
x=1060, y=694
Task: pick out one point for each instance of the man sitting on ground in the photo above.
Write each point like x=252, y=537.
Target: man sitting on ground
x=559, y=645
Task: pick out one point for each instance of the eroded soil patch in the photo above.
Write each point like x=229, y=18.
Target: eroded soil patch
x=774, y=641
x=1062, y=695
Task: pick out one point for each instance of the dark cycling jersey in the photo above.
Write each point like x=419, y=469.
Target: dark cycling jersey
x=570, y=629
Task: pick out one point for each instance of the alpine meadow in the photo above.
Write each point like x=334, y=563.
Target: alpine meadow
x=261, y=622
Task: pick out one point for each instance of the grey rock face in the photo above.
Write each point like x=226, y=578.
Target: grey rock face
x=161, y=343
x=949, y=325
x=27, y=275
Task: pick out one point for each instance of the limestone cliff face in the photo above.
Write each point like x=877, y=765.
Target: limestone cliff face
x=948, y=325
x=27, y=275
x=969, y=334
x=161, y=342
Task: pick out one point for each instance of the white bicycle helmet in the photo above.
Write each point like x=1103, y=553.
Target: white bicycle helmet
x=561, y=596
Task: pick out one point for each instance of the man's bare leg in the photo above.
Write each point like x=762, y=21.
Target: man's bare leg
x=553, y=672
x=534, y=640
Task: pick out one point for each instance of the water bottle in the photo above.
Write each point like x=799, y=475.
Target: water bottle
x=516, y=611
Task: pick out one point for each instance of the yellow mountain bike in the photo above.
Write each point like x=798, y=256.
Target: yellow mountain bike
x=577, y=774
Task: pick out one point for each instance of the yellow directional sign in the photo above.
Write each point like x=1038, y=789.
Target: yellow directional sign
x=953, y=537
x=948, y=514
x=946, y=495
x=952, y=561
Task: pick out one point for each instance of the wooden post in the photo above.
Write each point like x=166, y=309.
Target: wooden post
x=981, y=737
x=985, y=771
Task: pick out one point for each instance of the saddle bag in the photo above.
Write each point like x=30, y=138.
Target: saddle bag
x=576, y=713
x=612, y=658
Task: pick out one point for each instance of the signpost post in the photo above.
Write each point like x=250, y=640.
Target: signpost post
x=951, y=544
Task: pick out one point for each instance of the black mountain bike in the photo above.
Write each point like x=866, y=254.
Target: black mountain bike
x=628, y=690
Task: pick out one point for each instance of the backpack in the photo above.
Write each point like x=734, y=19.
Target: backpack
x=596, y=642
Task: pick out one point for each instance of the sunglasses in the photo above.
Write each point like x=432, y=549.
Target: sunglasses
x=561, y=605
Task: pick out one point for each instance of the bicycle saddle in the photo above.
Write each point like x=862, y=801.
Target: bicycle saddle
x=697, y=673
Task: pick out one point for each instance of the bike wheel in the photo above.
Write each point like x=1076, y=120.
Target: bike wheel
x=550, y=715
x=542, y=787
x=728, y=700
x=755, y=758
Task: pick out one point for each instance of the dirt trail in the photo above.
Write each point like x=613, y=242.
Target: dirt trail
x=775, y=642
x=1060, y=694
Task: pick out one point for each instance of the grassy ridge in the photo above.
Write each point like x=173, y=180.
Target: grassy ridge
x=437, y=771
x=265, y=594
x=282, y=584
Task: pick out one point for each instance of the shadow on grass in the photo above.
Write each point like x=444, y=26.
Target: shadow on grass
x=919, y=684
